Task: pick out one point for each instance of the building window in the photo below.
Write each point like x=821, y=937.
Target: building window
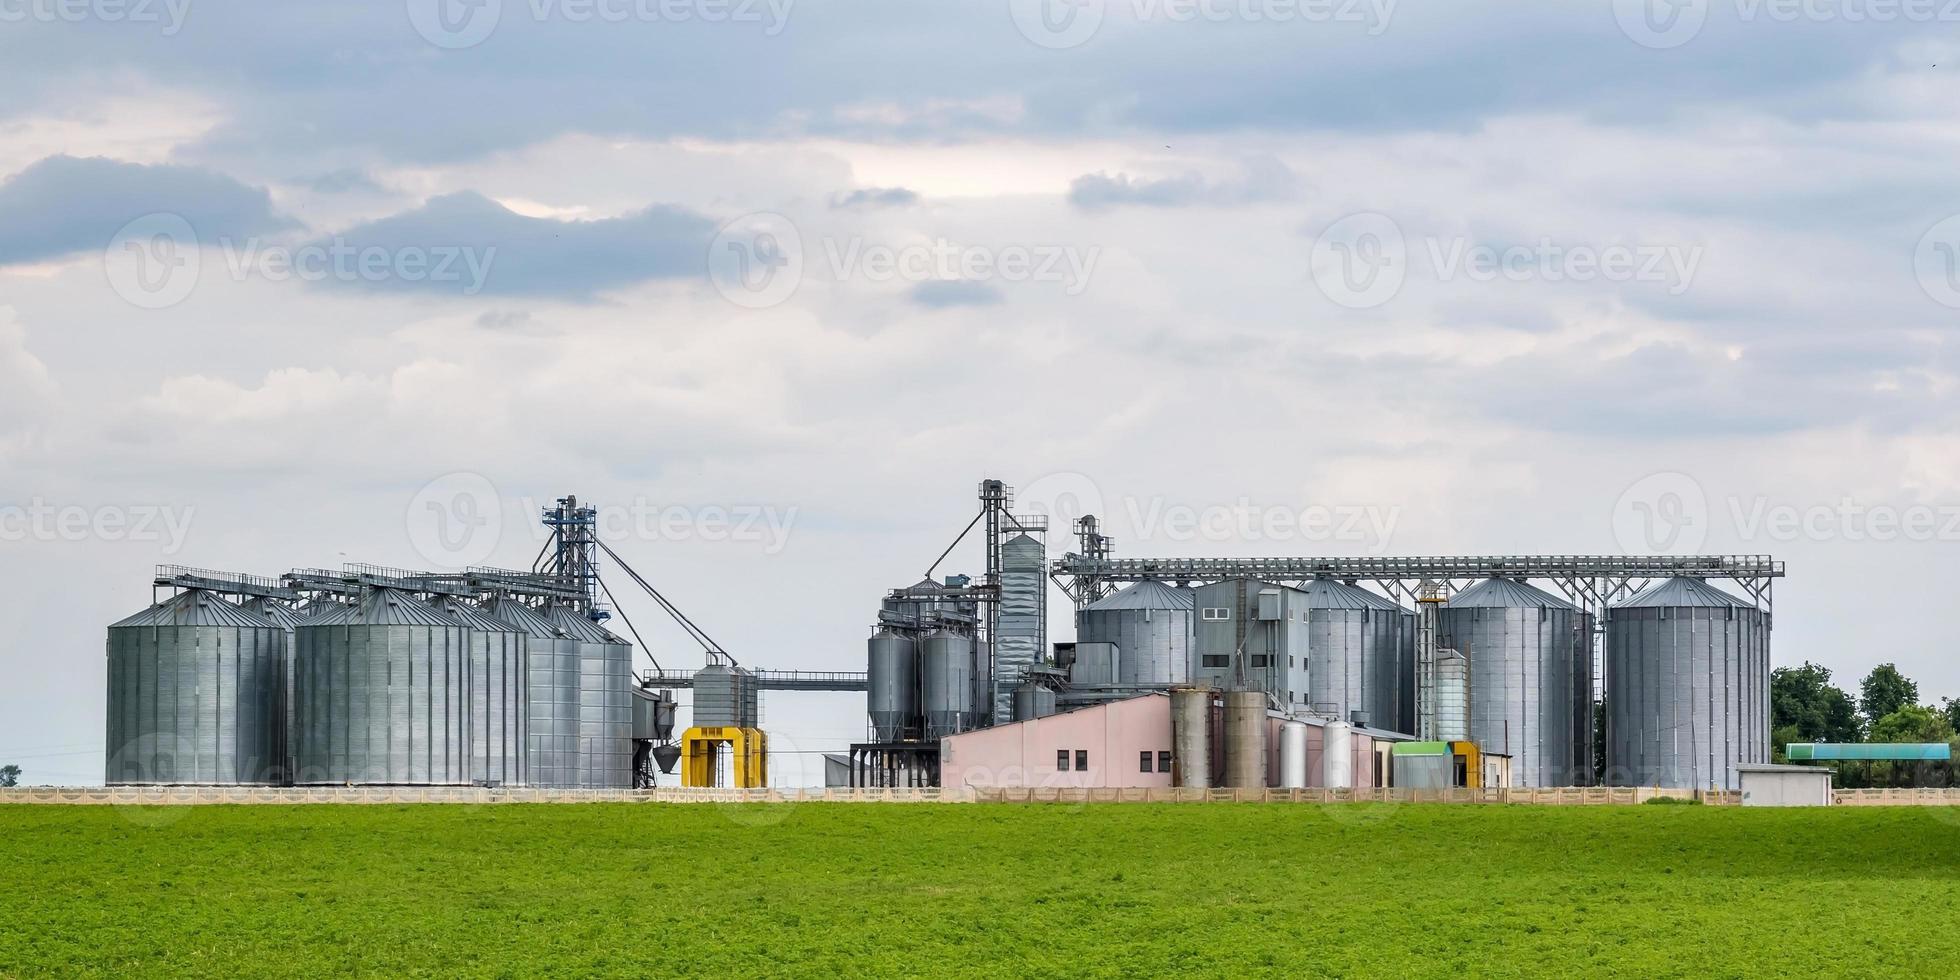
x=1215, y=614
x=1163, y=762
x=1143, y=761
x=1290, y=662
x=1061, y=760
x=1258, y=660
x=1081, y=760
x=1217, y=660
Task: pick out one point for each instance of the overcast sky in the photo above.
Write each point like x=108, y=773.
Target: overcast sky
x=778, y=282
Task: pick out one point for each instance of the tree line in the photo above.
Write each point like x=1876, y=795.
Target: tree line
x=1805, y=706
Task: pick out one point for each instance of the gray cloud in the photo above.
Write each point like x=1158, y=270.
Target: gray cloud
x=874, y=198
x=343, y=181
x=524, y=256
x=939, y=294
x=65, y=205
x=1264, y=180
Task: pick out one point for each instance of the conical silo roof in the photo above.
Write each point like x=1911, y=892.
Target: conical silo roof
x=1505, y=593
x=1326, y=593
x=578, y=625
x=1148, y=594
x=384, y=607
x=195, y=607
x=472, y=617
x=278, y=612
x=526, y=619
x=1681, y=591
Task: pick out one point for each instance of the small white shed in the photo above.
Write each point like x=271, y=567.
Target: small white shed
x=1764, y=785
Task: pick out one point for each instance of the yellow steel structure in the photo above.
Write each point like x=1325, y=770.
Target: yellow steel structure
x=701, y=752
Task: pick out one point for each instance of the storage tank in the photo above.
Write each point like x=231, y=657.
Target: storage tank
x=287, y=618
x=499, y=718
x=1687, y=686
x=1293, y=755
x=605, y=746
x=1191, y=737
x=1337, y=755
x=1519, y=641
x=946, y=683
x=1022, y=639
x=1452, y=696
x=1033, y=701
x=551, y=687
x=725, y=696
x=195, y=686
x=380, y=695
x=892, y=662
x=1153, y=627
x=1245, y=739
x=1354, y=653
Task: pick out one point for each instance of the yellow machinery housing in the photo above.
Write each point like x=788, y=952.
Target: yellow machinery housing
x=701, y=756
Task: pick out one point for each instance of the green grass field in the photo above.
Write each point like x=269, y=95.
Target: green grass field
x=978, y=890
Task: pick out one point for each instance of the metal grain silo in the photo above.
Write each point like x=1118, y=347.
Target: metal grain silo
x=1519, y=640
x=194, y=695
x=381, y=695
x=1191, y=737
x=1245, y=739
x=605, y=752
x=287, y=618
x=1452, y=696
x=499, y=707
x=1687, y=687
x=1023, y=630
x=892, y=662
x=946, y=683
x=1153, y=628
x=552, y=693
x=1354, y=653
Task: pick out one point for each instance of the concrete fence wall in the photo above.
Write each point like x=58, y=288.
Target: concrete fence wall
x=208, y=795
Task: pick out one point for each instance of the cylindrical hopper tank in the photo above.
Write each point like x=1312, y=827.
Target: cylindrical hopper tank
x=946, y=668
x=1687, y=687
x=1245, y=739
x=1033, y=701
x=1452, y=696
x=1337, y=755
x=381, y=695
x=551, y=693
x=499, y=719
x=1293, y=755
x=195, y=692
x=605, y=748
x=1191, y=737
x=1152, y=626
x=1519, y=641
x=892, y=660
x=1354, y=653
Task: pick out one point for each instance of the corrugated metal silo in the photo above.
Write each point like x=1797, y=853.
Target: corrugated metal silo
x=1023, y=618
x=1354, y=653
x=552, y=694
x=381, y=695
x=287, y=619
x=1153, y=626
x=499, y=721
x=892, y=674
x=1245, y=739
x=194, y=695
x=1687, y=686
x=1519, y=640
x=946, y=682
x=725, y=697
x=605, y=700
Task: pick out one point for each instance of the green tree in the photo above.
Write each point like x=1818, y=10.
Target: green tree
x=1910, y=723
x=1951, y=709
x=1804, y=701
x=1884, y=691
x=9, y=775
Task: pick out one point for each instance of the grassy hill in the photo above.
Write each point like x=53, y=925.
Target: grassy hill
x=978, y=890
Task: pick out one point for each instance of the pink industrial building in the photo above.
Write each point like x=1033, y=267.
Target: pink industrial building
x=1124, y=744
